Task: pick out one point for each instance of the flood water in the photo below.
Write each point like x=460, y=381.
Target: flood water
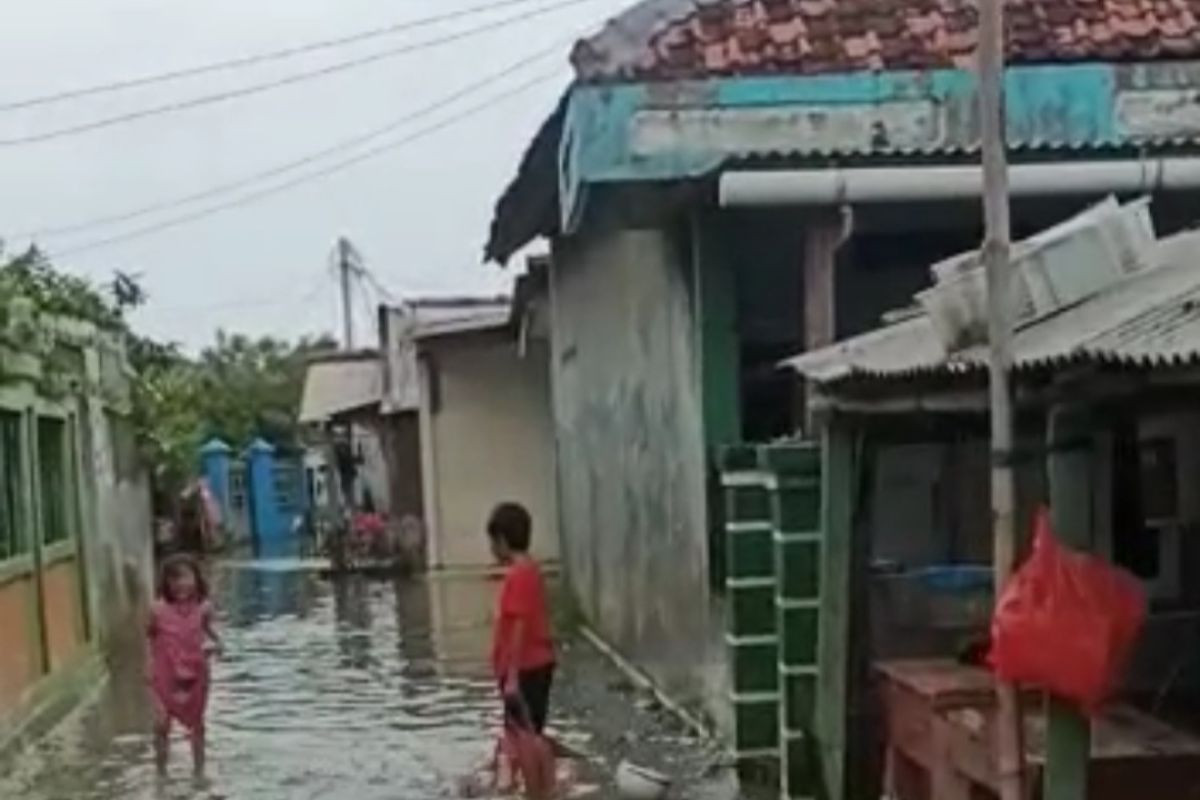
x=347, y=690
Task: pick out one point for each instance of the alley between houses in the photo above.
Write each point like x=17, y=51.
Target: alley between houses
x=353, y=690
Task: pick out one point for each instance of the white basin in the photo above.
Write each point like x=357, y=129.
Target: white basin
x=639, y=783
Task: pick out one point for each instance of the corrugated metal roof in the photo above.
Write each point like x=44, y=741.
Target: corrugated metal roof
x=339, y=384
x=481, y=319
x=1151, y=319
x=444, y=315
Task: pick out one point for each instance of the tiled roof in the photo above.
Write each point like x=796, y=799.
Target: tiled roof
x=672, y=39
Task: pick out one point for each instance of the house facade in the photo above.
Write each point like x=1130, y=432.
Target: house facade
x=75, y=521
x=342, y=396
x=479, y=395
x=726, y=183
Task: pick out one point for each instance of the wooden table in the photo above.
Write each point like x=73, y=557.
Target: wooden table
x=940, y=719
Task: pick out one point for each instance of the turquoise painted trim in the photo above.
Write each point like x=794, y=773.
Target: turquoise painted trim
x=1068, y=105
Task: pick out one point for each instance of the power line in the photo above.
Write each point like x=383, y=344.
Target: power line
x=308, y=177
x=303, y=161
x=255, y=59
x=299, y=77
x=380, y=289
x=310, y=291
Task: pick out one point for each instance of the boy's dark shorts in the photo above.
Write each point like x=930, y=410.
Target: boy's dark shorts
x=531, y=709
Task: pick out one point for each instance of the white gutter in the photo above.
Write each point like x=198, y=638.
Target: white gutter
x=837, y=185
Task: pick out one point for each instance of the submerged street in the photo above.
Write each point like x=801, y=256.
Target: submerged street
x=346, y=690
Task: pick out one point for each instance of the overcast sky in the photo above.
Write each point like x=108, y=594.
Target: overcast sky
x=419, y=213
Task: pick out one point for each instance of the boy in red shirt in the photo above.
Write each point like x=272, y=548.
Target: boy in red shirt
x=522, y=647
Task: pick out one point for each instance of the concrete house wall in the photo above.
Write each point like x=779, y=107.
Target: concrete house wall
x=632, y=481
x=81, y=572
x=486, y=437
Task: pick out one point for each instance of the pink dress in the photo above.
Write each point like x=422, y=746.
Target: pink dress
x=179, y=671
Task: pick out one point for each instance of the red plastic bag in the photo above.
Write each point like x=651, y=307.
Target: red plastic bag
x=1066, y=622
x=532, y=759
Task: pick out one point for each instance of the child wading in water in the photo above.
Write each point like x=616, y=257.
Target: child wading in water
x=523, y=647
x=180, y=634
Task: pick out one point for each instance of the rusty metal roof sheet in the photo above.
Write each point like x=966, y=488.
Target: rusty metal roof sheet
x=672, y=39
x=1151, y=319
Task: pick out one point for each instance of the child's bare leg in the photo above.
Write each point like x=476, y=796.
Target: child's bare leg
x=199, y=752
x=162, y=744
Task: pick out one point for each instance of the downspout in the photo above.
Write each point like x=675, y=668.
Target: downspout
x=839, y=185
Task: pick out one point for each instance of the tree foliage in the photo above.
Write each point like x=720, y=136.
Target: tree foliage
x=32, y=276
x=238, y=388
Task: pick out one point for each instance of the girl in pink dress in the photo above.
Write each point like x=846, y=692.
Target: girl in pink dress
x=179, y=635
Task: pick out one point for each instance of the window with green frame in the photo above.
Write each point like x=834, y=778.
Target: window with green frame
x=13, y=541
x=54, y=484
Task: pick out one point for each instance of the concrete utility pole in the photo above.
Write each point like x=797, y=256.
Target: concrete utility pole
x=345, y=256
x=1010, y=749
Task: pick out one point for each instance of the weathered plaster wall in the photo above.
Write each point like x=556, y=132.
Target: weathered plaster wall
x=490, y=440
x=631, y=454
x=117, y=546
x=61, y=603
x=400, y=436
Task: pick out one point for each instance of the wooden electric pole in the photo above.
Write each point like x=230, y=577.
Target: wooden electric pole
x=996, y=247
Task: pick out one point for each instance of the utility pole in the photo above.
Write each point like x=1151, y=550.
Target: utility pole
x=345, y=257
x=1010, y=754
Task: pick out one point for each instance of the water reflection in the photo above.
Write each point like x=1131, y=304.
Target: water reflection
x=415, y=622
x=247, y=593
x=343, y=690
x=461, y=609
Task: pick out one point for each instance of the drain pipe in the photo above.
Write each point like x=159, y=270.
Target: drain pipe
x=840, y=185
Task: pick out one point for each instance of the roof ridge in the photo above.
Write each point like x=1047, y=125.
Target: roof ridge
x=620, y=44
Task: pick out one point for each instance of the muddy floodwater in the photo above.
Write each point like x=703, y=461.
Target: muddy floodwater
x=348, y=690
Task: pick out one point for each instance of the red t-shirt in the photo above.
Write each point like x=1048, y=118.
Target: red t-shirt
x=522, y=597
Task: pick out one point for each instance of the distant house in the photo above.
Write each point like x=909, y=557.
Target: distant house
x=476, y=380
x=342, y=396
x=728, y=183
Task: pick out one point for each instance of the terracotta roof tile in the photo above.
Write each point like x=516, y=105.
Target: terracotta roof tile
x=700, y=38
